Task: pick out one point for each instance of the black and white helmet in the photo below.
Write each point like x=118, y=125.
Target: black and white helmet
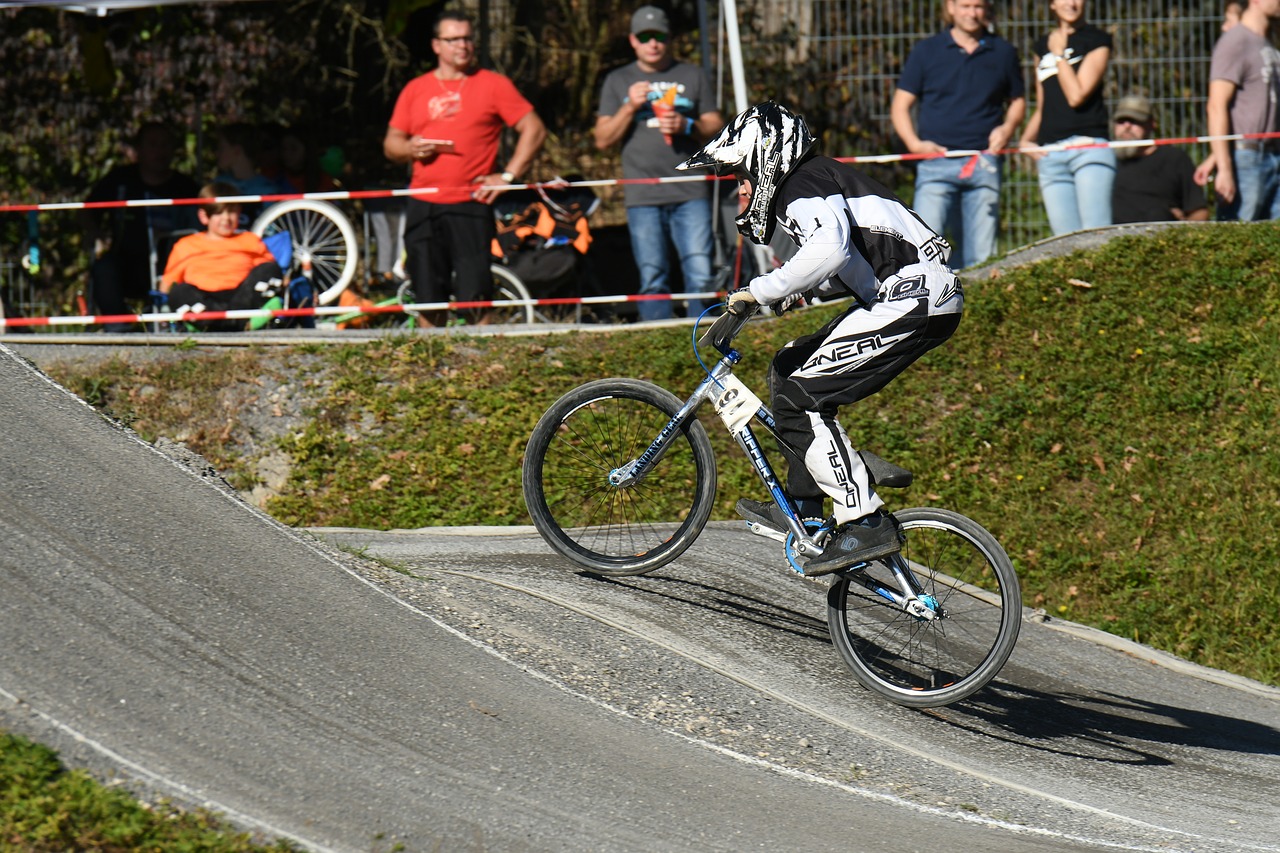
x=763, y=145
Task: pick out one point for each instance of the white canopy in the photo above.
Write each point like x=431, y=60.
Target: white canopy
x=102, y=8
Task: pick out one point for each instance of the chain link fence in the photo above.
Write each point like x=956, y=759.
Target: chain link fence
x=853, y=53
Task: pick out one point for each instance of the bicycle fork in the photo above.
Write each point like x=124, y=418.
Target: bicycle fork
x=910, y=595
x=736, y=405
x=633, y=472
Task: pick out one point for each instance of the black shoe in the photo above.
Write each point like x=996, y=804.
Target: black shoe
x=856, y=542
x=763, y=513
x=767, y=514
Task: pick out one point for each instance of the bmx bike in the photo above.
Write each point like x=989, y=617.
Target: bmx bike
x=619, y=477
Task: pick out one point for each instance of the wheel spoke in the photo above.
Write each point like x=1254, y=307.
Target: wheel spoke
x=321, y=234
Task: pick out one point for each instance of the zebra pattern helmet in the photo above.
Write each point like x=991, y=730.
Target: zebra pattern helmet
x=763, y=145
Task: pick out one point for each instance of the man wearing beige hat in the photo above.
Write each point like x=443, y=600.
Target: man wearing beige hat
x=1154, y=183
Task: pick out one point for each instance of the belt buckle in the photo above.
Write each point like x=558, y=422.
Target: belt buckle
x=1262, y=145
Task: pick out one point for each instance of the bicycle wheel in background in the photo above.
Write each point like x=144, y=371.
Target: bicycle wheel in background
x=322, y=237
x=506, y=288
x=925, y=663
x=593, y=431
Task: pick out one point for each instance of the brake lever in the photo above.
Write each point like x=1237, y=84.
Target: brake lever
x=728, y=325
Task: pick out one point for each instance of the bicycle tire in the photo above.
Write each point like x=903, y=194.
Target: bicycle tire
x=507, y=287
x=924, y=663
x=322, y=237
x=608, y=530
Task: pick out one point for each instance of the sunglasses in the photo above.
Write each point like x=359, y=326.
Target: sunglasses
x=645, y=38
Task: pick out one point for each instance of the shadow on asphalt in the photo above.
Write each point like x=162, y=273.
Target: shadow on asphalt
x=1105, y=726
x=725, y=602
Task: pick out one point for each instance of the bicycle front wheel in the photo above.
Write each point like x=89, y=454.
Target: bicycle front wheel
x=592, y=432
x=322, y=238
x=971, y=588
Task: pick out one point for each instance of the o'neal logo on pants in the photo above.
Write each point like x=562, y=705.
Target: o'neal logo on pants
x=907, y=288
x=843, y=355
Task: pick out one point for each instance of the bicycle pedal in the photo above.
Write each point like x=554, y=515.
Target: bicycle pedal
x=767, y=532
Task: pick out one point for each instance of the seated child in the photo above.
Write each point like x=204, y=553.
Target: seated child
x=221, y=268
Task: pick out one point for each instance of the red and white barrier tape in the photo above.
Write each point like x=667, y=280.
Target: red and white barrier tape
x=338, y=310
x=347, y=195
x=343, y=310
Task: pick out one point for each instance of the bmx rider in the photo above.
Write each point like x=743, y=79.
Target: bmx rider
x=855, y=238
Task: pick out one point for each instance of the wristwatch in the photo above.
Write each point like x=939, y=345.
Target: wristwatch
x=508, y=177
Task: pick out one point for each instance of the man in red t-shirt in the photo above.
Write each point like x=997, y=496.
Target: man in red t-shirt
x=447, y=124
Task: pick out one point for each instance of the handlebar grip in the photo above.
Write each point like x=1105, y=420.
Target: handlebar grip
x=728, y=325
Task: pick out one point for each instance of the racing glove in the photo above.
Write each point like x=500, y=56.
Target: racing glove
x=786, y=303
x=741, y=299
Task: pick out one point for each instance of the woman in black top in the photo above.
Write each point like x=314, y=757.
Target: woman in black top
x=1075, y=183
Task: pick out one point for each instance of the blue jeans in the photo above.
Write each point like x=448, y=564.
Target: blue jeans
x=1076, y=186
x=688, y=224
x=964, y=208
x=1257, y=187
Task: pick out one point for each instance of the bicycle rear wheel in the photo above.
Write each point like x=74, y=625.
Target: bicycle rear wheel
x=968, y=581
x=507, y=287
x=617, y=530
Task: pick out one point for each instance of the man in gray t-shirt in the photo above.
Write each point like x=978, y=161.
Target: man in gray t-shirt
x=1244, y=90
x=662, y=111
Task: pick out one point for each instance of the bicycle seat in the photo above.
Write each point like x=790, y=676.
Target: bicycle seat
x=885, y=473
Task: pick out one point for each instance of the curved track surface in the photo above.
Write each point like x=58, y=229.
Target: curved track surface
x=154, y=627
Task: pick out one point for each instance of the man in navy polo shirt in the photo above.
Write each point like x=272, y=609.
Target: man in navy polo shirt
x=971, y=96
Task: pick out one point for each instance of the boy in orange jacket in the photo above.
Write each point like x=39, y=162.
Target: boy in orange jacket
x=221, y=268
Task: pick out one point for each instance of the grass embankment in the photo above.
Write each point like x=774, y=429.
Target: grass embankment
x=1110, y=416
x=45, y=807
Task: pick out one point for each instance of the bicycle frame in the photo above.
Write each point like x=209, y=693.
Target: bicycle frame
x=737, y=406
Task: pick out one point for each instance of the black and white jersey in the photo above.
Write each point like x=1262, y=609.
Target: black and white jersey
x=849, y=229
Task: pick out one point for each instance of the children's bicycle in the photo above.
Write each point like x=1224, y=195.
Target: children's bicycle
x=620, y=478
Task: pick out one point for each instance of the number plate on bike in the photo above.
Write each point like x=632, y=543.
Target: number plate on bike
x=736, y=404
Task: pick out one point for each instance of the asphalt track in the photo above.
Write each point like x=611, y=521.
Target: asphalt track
x=154, y=627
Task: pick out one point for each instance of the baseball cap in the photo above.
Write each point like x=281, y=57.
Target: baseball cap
x=1135, y=108
x=649, y=19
